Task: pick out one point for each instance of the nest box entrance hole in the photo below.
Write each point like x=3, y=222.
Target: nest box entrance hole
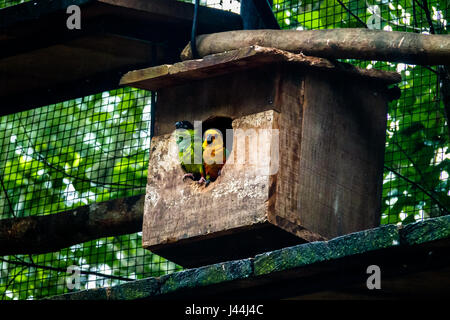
x=225, y=128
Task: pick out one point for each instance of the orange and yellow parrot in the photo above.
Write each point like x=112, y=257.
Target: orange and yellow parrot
x=214, y=154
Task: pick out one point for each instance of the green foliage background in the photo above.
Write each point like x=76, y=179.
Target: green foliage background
x=69, y=154
x=96, y=148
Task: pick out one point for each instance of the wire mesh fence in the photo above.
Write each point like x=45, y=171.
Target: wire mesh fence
x=69, y=154
x=95, y=148
x=228, y=5
x=9, y=3
x=74, y=153
x=66, y=155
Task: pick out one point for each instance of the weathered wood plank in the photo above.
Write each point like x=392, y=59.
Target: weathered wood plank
x=335, y=165
x=310, y=253
x=320, y=270
x=426, y=231
x=177, y=12
x=74, y=60
x=237, y=60
x=14, y=19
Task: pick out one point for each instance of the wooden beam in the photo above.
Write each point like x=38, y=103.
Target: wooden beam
x=351, y=43
x=16, y=20
x=414, y=263
x=41, y=57
x=41, y=234
x=13, y=102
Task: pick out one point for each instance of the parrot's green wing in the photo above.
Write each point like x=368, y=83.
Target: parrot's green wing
x=227, y=153
x=190, y=153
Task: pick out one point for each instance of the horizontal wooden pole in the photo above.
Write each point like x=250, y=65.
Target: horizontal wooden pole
x=41, y=234
x=351, y=43
x=164, y=76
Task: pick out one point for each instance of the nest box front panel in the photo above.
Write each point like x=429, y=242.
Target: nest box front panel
x=176, y=210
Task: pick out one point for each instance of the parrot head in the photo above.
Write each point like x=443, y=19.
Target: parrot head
x=184, y=125
x=213, y=137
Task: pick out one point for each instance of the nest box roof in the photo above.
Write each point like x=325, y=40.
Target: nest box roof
x=414, y=257
x=163, y=76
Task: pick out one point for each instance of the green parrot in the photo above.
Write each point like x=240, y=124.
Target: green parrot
x=188, y=141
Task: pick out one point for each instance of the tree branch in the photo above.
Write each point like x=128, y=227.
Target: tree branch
x=350, y=43
x=41, y=234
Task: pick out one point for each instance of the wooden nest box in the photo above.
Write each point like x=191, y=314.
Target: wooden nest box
x=319, y=169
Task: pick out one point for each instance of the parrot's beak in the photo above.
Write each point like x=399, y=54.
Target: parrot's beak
x=209, y=139
x=177, y=124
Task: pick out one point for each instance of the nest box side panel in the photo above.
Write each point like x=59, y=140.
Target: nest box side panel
x=341, y=155
x=175, y=210
x=233, y=95
x=284, y=202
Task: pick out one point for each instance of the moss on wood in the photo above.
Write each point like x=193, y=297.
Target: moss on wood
x=289, y=258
